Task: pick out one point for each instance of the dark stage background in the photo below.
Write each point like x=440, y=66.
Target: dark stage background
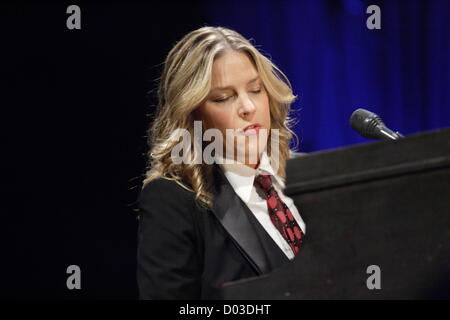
x=75, y=106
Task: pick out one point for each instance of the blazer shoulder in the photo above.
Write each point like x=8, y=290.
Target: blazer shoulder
x=164, y=185
x=168, y=246
x=163, y=190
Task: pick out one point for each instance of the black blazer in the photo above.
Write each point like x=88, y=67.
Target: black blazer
x=187, y=252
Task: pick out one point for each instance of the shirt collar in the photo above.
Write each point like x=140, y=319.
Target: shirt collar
x=241, y=177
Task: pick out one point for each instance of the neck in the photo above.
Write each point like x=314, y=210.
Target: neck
x=253, y=166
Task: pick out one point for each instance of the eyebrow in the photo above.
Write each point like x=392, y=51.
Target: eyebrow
x=230, y=87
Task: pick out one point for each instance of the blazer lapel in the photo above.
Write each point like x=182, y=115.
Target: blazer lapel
x=230, y=210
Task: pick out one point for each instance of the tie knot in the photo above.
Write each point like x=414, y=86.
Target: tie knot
x=264, y=182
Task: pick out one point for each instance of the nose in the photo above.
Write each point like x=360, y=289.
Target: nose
x=246, y=107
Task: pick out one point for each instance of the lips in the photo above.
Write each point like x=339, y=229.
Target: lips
x=252, y=127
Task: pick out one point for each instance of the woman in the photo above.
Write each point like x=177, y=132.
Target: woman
x=203, y=224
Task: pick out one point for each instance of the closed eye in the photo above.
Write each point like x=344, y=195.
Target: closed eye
x=221, y=100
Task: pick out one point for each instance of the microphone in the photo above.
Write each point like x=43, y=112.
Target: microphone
x=370, y=125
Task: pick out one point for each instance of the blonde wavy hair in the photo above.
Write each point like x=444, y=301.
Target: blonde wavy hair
x=185, y=83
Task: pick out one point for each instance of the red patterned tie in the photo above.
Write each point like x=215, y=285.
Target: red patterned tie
x=280, y=214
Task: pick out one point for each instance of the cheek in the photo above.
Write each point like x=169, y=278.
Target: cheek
x=266, y=107
x=219, y=119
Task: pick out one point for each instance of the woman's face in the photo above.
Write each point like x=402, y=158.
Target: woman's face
x=237, y=99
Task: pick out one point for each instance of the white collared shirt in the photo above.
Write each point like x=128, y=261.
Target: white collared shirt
x=241, y=178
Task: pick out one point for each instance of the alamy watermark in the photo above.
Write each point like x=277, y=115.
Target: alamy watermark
x=374, y=280
x=74, y=20
x=74, y=280
x=374, y=20
x=240, y=146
